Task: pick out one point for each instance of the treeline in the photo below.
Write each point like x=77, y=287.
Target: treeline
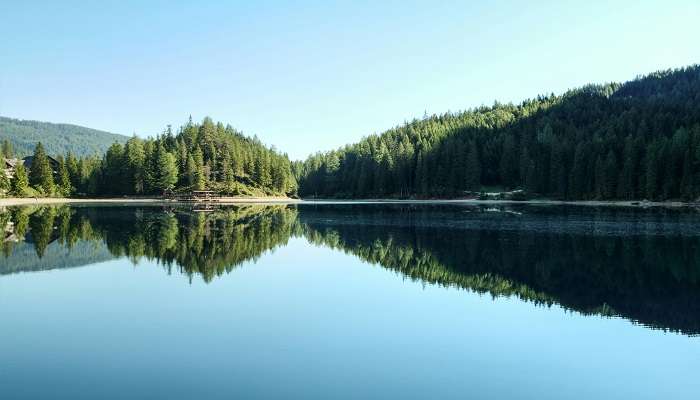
x=640, y=139
x=200, y=156
x=40, y=180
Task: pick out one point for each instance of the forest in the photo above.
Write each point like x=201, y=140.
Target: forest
x=631, y=141
x=637, y=140
x=199, y=156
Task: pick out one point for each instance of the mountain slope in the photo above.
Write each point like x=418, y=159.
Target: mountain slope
x=57, y=138
x=635, y=140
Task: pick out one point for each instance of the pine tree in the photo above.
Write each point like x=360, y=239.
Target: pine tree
x=115, y=171
x=196, y=170
x=20, y=181
x=611, y=174
x=64, y=184
x=579, y=175
x=652, y=174
x=687, y=189
x=558, y=173
x=509, y=162
x=73, y=171
x=421, y=179
x=473, y=166
x=165, y=170
x=41, y=174
x=627, y=189
x=135, y=160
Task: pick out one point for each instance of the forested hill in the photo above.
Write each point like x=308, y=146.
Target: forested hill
x=199, y=156
x=639, y=139
x=57, y=138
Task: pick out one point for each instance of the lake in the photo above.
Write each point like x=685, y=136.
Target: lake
x=347, y=301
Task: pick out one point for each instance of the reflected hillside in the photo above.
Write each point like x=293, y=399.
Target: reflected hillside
x=45, y=238
x=642, y=265
x=637, y=264
x=207, y=244
x=193, y=243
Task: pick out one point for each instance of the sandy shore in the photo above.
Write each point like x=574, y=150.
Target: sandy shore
x=135, y=201
x=286, y=200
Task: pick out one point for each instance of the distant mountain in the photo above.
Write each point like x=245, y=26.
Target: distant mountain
x=56, y=138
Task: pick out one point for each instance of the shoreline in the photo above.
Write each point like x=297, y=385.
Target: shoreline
x=22, y=201
x=7, y=202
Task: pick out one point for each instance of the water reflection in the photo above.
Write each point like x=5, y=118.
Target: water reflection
x=643, y=265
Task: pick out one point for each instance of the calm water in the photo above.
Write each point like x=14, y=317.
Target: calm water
x=349, y=301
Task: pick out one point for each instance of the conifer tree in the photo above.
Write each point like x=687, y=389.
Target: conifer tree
x=165, y=170
x=64, y=183
x=41, y=174
x=20, y=181
x=473, y=165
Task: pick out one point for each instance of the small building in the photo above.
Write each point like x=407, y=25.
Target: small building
x=9, y=167
x=12, y=163
x=52, y=162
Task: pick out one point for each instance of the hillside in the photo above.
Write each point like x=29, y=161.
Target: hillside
x=57, y=138
x=635, y=140
x=199, y=156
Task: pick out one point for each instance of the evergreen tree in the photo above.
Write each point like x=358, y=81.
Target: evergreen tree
x=115, y=176
x=64, y=184
x=135, y=162
x=196, y=170
x=73, y=166
x=509, y=162
x=652, y=175
x=473, y=166
x=611, y=174
x=41, y=174
x=20, y=181
x=165, y=170
x=558, y=171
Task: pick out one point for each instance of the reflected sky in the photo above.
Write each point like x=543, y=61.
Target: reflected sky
x=302, y=319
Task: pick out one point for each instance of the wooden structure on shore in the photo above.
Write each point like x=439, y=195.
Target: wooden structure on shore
x=194, y=196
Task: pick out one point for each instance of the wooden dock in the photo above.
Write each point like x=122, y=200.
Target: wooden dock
x=194, y=196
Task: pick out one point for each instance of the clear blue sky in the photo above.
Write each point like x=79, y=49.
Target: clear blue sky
x=316, y=75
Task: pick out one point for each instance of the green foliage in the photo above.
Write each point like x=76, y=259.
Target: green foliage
x=135, y=161
x=20, y=182
x=616, y=141
x=64, y=182
x=7, y=149
x=200, y=156
x=4, y=180
x=41, y=172
x=166, y=170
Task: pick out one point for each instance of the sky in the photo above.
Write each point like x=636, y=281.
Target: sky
x=313, y=76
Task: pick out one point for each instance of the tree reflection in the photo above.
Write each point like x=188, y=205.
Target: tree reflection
x=640, y=265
